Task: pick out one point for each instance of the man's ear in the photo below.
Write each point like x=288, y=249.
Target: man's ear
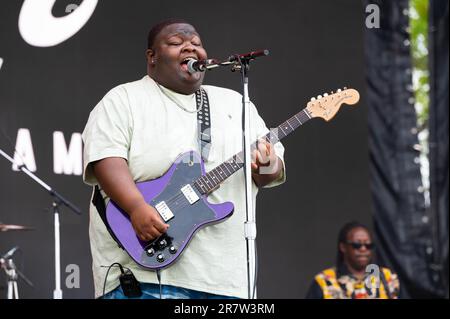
x=342, y=248
x=150, y=54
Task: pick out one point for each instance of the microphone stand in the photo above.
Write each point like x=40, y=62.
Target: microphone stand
x=57, y=201
x=242, y=64
x=13, y=275
x=250, y=224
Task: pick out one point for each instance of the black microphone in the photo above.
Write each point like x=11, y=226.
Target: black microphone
x=196, y=66
x=9, y=253
x=202, y=65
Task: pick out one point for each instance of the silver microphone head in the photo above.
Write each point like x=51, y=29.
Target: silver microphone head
x=202, y=65
x=194, y=66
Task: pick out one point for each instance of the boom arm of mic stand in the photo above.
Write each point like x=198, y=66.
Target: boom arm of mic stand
x=11, y=264
x=64, y=201
x=24, y=278
x=217, y=64
x=60, y=199
x=236, y=61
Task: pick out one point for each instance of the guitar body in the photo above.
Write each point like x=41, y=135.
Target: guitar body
x=186, y=220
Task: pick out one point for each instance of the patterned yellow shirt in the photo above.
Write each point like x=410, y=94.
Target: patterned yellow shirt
x=330, y=284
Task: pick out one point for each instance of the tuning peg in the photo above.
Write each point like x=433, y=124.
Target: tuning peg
x=325, y=94
x=338, y=90
x=332, y=92
x=319, y=97
x=345, y=88
x=313, y=99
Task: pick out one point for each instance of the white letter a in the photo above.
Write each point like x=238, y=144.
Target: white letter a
x=24, y=154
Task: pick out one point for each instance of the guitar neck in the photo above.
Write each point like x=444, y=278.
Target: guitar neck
x=211, y=180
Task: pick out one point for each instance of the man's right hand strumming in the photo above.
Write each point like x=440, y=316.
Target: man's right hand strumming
x=147, y=223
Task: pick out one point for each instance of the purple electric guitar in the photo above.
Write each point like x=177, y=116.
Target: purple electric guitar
x=180, y=195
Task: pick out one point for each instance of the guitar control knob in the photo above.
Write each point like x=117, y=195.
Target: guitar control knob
x=150, y=252
x=162, y=243
x=173, y=249
x=160, y=258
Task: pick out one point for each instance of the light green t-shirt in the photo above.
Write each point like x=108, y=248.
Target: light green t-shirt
x=142, y=123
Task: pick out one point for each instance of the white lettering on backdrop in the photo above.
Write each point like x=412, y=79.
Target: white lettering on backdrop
x=24, y=154
x=66, y=160
x=40, y=28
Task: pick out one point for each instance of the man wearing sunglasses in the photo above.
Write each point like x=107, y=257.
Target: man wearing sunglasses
x=355, y=276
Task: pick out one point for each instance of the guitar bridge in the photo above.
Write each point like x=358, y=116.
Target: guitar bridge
x=190, y=194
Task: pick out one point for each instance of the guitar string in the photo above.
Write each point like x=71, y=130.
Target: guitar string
x=186, y=203
x=179, y=195
x=268, y=138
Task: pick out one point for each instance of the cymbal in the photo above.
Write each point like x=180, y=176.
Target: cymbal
x=5, y=227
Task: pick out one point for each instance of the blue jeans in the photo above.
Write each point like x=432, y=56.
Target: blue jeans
x=151, y=291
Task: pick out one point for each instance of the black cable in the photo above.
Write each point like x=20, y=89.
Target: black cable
x=158, y=274
x=107, y=273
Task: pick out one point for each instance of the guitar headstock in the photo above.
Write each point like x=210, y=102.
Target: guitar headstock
x=328, y=105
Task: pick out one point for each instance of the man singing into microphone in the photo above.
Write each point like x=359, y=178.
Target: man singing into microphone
x=136, y=132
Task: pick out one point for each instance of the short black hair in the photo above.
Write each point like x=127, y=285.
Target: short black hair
x=342, y=237
x=157, y=28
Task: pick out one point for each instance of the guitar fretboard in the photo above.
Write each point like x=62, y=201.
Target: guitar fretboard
x=211, y=180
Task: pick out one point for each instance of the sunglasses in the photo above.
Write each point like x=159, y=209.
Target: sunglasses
x=354, y=245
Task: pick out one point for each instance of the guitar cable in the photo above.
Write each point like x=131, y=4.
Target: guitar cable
x=158, y=275
x=107, y=273
x=130, y=286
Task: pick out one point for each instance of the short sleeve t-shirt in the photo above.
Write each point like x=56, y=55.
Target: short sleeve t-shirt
x=143, y=123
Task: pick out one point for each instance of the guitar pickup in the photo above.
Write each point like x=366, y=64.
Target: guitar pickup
x=164, y=211
x=190, y=194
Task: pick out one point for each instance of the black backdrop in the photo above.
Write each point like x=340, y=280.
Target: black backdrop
x=316, y=46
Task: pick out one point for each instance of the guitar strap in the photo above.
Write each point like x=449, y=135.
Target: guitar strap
x=204, y=140
x=203, y=123
x=99, y=203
